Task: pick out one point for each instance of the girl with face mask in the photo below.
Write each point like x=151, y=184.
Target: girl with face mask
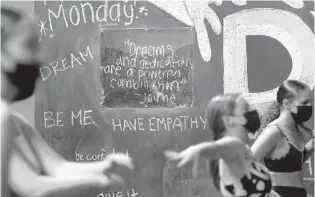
x=19, y=72
x=29, y=166
x=234, y=170
x=283, y=143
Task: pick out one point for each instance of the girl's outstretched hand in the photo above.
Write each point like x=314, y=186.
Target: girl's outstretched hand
x=105, y=170
x=113, y=160
x=191, y=153
x=117, y=159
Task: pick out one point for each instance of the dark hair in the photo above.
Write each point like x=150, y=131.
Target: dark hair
x=287, y=90
x=217, y=107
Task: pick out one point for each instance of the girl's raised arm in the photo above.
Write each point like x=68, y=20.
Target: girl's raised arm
x=227, y=148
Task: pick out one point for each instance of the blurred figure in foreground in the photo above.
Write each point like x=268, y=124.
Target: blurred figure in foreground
x=235, y=171
x=29, y=166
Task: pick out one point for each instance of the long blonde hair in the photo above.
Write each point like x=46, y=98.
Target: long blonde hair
x=217, y=107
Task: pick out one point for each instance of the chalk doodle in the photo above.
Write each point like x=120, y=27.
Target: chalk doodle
x=44, y=31
x=143, y=10
x=193, y=13
x=294, y=3
x=258, y=22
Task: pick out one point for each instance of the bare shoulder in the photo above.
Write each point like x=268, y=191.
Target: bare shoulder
x=6, y=125
x=266, y=141
x=22, y=121
x=22, y=124
x=5, y=110
x=272, y=131
x=5, y=117
x=19, y=118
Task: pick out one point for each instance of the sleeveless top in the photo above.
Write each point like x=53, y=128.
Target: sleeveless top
x=291, y=161
x=255, y=182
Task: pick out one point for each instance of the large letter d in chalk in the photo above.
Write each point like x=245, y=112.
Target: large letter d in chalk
x=281, y=25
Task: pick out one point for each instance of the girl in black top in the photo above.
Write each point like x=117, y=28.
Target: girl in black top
x=283, y=144
x=235, y=171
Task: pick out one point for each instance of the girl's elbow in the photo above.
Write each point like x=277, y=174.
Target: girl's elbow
x=31, y=188
x=39, y=193
x=254, y=151
x=28, y=191
x=257, y=157
x=256, y=154
x=40, y=190
x=35, y=193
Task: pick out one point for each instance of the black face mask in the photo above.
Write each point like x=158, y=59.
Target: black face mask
x=24, y=79
x=253, y=121
x=303, y=114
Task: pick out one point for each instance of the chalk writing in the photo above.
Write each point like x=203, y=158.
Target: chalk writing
x=180, y=123
x=52, y=120
x=108, y=12
x=96, y=156
x=149, y=75
x=127, y=193
x=309, y=169
x=82, y=118
x=144, y=73
x=63, y=64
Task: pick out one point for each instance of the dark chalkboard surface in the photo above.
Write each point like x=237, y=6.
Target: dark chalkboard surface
x=147, y=67
x=82, y=117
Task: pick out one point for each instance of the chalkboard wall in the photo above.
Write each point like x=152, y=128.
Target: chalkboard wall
x=90, y=103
